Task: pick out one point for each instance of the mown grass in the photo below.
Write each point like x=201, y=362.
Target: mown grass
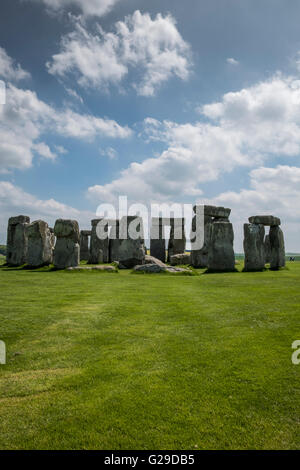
x=101, y=361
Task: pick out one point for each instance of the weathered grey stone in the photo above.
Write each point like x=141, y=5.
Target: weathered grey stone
x=102, y=267
x=182, y=258
x=149, y=268
x=177, y=241
x=99, y=249
x=40, y=248
x=131, y=252
x=153, y=260
x=84, y=244
x=67, y=250
x=199, y=258
x=17, y=240
x=267, y=247
x=215, y=212
x=254, y=247
x=154, y=268
x=114, y=242
x=221, y=254
x=277, y=248
x=265, y=220
x=157, y=240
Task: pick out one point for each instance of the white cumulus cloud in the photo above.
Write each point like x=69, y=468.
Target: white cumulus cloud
x=25, y=119
x=153, y=49
x=9, y=69
x=86, y=7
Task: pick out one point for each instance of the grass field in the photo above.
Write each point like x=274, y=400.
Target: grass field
x=126, y=361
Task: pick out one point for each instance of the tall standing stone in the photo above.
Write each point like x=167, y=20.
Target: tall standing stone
x=40, y=249
x=221, y=254
x=277, y=248
x=99, y=248
x=114, y=241
x=131, y=250
x=267, y=246
x=84, y=245
x=177, y=241
x=157, y=239
x=254, y=247
x=17, y=240
x=67, y=249
x=199, y=258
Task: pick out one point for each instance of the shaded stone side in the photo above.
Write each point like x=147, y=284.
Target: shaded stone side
x=277, y=248
x=67, y=249
x=177, y=241
x=267, y=246
x=199, y=258
x=99, y=249
x=221, y=254
x=157, y=241
x=114, y=242
x=254, y=247
x=40, y=244
x=84, y=245
x=131, y=252
x=17, y=240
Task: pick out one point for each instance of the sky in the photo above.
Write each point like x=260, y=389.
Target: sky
x=162, y=102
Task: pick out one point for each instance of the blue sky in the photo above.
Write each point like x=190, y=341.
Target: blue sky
x=162, y=101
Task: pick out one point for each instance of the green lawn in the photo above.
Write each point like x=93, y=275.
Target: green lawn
x=127, y=361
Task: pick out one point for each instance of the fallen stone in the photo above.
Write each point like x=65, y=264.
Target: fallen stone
x=93, y=268
x=40, y=245
x=181, y=258
x=154, y=268
x=152, y=260
x=149, y=268
x=254, y=247
x=265, y=220
x=17, y=240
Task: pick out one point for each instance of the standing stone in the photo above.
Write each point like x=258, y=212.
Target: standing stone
x=277, y=248
x=221, y=254
x=177, y=241
x=67, y=249
x=157, y=239
x=84, y=244
x=17, y=240
x=114, y=242
x=267, y=246
x=99, y=249
x=40, y=250
x=254, y=247
x=131, y=251
x=199, y=258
